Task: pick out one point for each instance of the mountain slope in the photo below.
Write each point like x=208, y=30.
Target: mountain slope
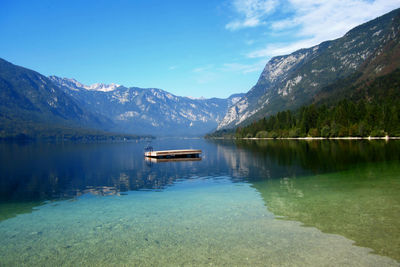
x=138, y=110
x=291, y=81
x=28, y=98
x=364, y=109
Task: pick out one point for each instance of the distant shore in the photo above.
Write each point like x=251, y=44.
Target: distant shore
x=315, y=138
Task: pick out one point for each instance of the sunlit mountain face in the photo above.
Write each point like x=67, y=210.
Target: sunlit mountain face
x=143, y=111
x=290, y=81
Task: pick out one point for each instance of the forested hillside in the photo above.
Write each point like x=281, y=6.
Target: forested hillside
x=368, y=109
x=323, y=72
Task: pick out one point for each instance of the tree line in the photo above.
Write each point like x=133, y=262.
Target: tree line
x=368, y=109
x=347, y=118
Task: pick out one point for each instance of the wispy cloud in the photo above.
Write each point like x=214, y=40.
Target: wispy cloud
x=206, y=77
x=243, y=68
x=281, y=48
x=205, y=68
x=249, y=42
x=251, y=13
x=205, y=74
x=314, y=21
x=209, y=73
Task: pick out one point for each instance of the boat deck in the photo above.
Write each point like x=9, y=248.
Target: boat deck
x=181, y=153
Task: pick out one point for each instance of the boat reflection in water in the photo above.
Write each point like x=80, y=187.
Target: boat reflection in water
x=158, y=160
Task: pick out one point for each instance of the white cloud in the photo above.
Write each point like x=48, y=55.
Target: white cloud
x=282, y=49
x=206, y=77
x=210, y=73
x=251, y=13
x=243, y=68
x=249, y=42
x=208, y=67
x=316, y=21
x=205, y=74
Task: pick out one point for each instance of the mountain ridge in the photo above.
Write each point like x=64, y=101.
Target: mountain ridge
x=27, y=93
x=149, y=110
x=290, y=81
x=33, y=105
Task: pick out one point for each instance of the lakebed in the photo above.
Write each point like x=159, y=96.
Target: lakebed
x=264, y=202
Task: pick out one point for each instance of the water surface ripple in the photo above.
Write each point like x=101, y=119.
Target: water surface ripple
x=257, y=203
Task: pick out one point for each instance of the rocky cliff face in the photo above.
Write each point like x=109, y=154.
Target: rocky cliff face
x=288, y=82
x=150, y=111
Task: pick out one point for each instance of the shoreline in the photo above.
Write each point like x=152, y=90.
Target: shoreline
x=314, y=138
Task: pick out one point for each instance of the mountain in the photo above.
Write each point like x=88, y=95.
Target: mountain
x=36, y=106
x=31, y=102
x=369, y=108
x=291, y=81
x=77, y=86
x=148, y=111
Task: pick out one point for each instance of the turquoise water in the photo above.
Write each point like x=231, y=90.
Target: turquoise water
x=251, y=203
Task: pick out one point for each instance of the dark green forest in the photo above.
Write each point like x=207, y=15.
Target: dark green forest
x=372, y=108
x=15, y=130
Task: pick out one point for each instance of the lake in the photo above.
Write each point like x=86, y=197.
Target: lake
x=245, y=203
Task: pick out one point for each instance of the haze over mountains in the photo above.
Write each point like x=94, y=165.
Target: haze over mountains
x=144, y=111
x=31, y=103
x=29, y=100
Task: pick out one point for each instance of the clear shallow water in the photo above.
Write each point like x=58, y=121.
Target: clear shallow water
x=250, y=203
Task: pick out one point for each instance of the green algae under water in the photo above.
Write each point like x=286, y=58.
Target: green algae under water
x=254, y=213
x=193, y=223
x=362, y=204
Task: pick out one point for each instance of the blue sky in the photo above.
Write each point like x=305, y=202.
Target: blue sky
x=189, y=48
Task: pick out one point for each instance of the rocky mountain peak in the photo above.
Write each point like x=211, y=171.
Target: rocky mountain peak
x=151, y=110
x=75, y=85
x=290, y=81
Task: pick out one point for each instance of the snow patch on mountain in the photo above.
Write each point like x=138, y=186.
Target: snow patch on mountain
x=75, y=85
x=102, y=87
x=197, y=98
x=150, y=111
